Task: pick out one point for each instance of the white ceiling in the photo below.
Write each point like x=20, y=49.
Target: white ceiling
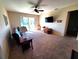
x=24, y=6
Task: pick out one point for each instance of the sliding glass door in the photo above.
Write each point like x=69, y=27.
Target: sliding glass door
x=28, y=22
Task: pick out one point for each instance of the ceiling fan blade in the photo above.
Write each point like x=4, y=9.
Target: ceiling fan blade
x=41, y=10
x=33, y=6
x=38, y=3
x=32, y=3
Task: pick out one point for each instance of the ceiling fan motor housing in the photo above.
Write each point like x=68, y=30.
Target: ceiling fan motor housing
x=36, y=10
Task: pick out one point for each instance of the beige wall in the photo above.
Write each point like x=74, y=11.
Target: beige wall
x=60, y=14
x=4, y=48
x=15, y=17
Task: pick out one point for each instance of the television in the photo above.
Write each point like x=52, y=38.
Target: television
x=49, y=19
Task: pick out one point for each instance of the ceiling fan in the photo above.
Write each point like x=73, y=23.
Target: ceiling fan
x=36, y=6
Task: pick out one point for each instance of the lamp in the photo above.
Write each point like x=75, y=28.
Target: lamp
x=59, y=21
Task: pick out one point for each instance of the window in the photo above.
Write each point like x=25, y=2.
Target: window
x=28, y=22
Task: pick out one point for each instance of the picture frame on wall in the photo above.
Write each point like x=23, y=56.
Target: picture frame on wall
x=5, y=20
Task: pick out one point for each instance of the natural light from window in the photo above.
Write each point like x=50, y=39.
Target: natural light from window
x=28, y=22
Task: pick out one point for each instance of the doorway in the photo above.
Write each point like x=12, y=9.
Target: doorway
x=72, y=29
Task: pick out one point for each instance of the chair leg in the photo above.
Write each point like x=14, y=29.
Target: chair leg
x=31, y=43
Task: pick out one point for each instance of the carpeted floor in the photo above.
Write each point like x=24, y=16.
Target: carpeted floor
x=46, y=46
